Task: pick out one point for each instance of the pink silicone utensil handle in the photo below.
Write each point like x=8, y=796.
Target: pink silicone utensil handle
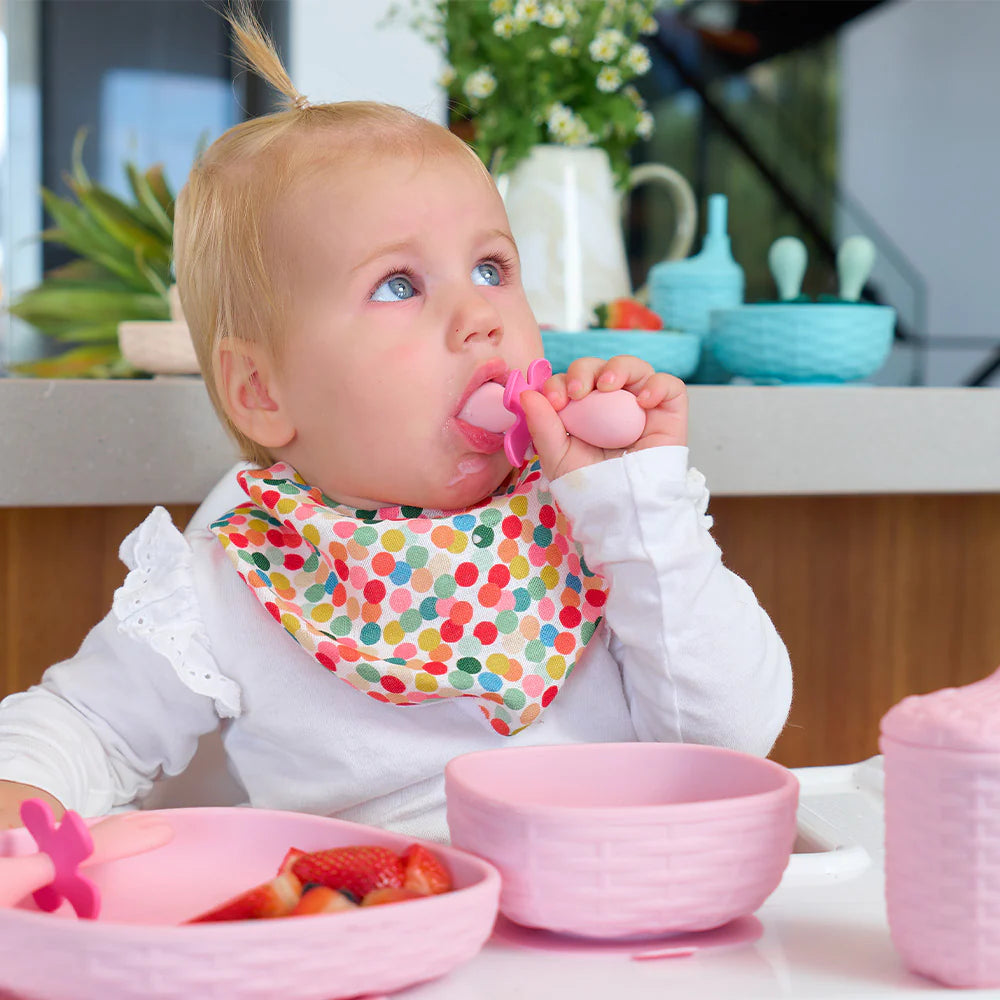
x=127, y=834
x=603, y=419
x=115, y=837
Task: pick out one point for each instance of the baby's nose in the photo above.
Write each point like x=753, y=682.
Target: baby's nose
x=476, y=319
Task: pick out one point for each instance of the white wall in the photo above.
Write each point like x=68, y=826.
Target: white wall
x=340, y=50
x=920, y=146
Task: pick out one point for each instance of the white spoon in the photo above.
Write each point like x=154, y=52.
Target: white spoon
x=855, y=260
x=787, y=261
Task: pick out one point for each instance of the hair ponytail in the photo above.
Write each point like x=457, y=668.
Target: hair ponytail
x=255, y=51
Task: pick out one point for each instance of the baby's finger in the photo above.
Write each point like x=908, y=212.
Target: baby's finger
x=581, y=376
x=547, y=432
x=555, y=392
x=658, y=388
x=623, y=372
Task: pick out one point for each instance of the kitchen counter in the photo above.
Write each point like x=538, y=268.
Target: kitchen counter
x=97, y=443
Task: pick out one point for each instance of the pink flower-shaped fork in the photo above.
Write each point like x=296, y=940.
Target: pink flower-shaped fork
x=67, y=845
x=52, y=874
x=517, y=439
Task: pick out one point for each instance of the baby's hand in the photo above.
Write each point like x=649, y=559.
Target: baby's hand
x=662, y=396
x=12, y=794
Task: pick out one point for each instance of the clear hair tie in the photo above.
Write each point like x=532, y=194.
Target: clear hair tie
x=301, y=103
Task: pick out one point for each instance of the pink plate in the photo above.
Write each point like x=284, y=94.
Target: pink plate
x=137, y=951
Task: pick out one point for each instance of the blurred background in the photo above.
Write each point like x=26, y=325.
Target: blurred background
x=817, y=119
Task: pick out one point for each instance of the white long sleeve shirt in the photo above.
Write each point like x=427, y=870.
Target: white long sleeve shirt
x=684, y=654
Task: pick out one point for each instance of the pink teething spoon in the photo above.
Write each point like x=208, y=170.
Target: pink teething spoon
x=52, y=873
x=604, y=419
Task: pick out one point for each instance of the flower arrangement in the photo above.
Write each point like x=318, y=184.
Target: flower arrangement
x=546, y=71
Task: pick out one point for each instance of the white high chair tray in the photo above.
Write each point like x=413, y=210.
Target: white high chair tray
x=822, y=934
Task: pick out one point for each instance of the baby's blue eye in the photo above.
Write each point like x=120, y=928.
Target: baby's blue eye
x=486, y=274
x=395, y=289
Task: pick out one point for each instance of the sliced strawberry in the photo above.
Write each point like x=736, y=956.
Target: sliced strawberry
x=627, y=314
x=276, y=898
x=423, y=872
x=390, y=894
x=291, y=856
x=356, y=869
x=320, y=899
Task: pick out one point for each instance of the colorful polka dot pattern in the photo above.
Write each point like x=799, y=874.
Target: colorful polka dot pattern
x=406, y=604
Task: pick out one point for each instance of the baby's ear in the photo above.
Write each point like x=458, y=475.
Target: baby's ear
x=246, y=382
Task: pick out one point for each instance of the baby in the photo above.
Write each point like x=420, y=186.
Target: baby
x=389, y=592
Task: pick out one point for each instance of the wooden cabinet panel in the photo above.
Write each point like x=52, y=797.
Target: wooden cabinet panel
x=876, y=597
x=59, y=569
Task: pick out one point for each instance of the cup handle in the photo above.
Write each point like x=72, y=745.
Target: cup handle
x=685, y=206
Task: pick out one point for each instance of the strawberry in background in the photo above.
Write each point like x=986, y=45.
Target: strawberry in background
x=626, y=314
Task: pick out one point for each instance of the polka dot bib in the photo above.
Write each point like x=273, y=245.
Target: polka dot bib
x=408, y=605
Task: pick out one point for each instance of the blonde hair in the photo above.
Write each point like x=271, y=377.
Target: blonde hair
x=227, y=280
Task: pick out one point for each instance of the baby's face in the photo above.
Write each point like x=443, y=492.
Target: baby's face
x=407, y=296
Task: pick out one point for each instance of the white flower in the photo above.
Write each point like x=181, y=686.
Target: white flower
x=500, y=7
x=571, y=12
x=648, y=26
x=637, y=59
x=578, y=134
x=561, y=46
x=559, y=120
x=566, y=127
x=552, y=16
x=609, y=80
x=480, y=84
x=447, y=77
x=644, y=128
x=634, y=96
x=504, y=26
x=527, y=10
x=604, y=47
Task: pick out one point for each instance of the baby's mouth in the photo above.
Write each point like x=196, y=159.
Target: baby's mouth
x=484, y=408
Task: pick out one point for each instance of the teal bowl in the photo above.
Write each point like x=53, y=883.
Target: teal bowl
x=803, y=342
x=668, y=351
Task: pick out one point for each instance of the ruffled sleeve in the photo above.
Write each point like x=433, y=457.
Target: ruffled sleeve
x=157, y=605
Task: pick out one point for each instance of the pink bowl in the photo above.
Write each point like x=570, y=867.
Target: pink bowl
x=617, y=840
x=136, y=950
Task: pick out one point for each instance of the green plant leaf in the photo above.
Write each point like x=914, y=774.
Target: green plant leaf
x=160, y=282
x=161, y=190
x=80, y=174
x=144, y=195
x=54, y=303
x=120, y=222
x=81, y=271
x=90, y=361
x=78, y=232
x=99, y=333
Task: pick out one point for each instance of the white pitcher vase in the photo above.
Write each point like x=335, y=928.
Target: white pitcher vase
x=566, y=218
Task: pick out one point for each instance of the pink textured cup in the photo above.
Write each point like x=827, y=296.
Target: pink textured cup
x=942, y=832
x=612, y=840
